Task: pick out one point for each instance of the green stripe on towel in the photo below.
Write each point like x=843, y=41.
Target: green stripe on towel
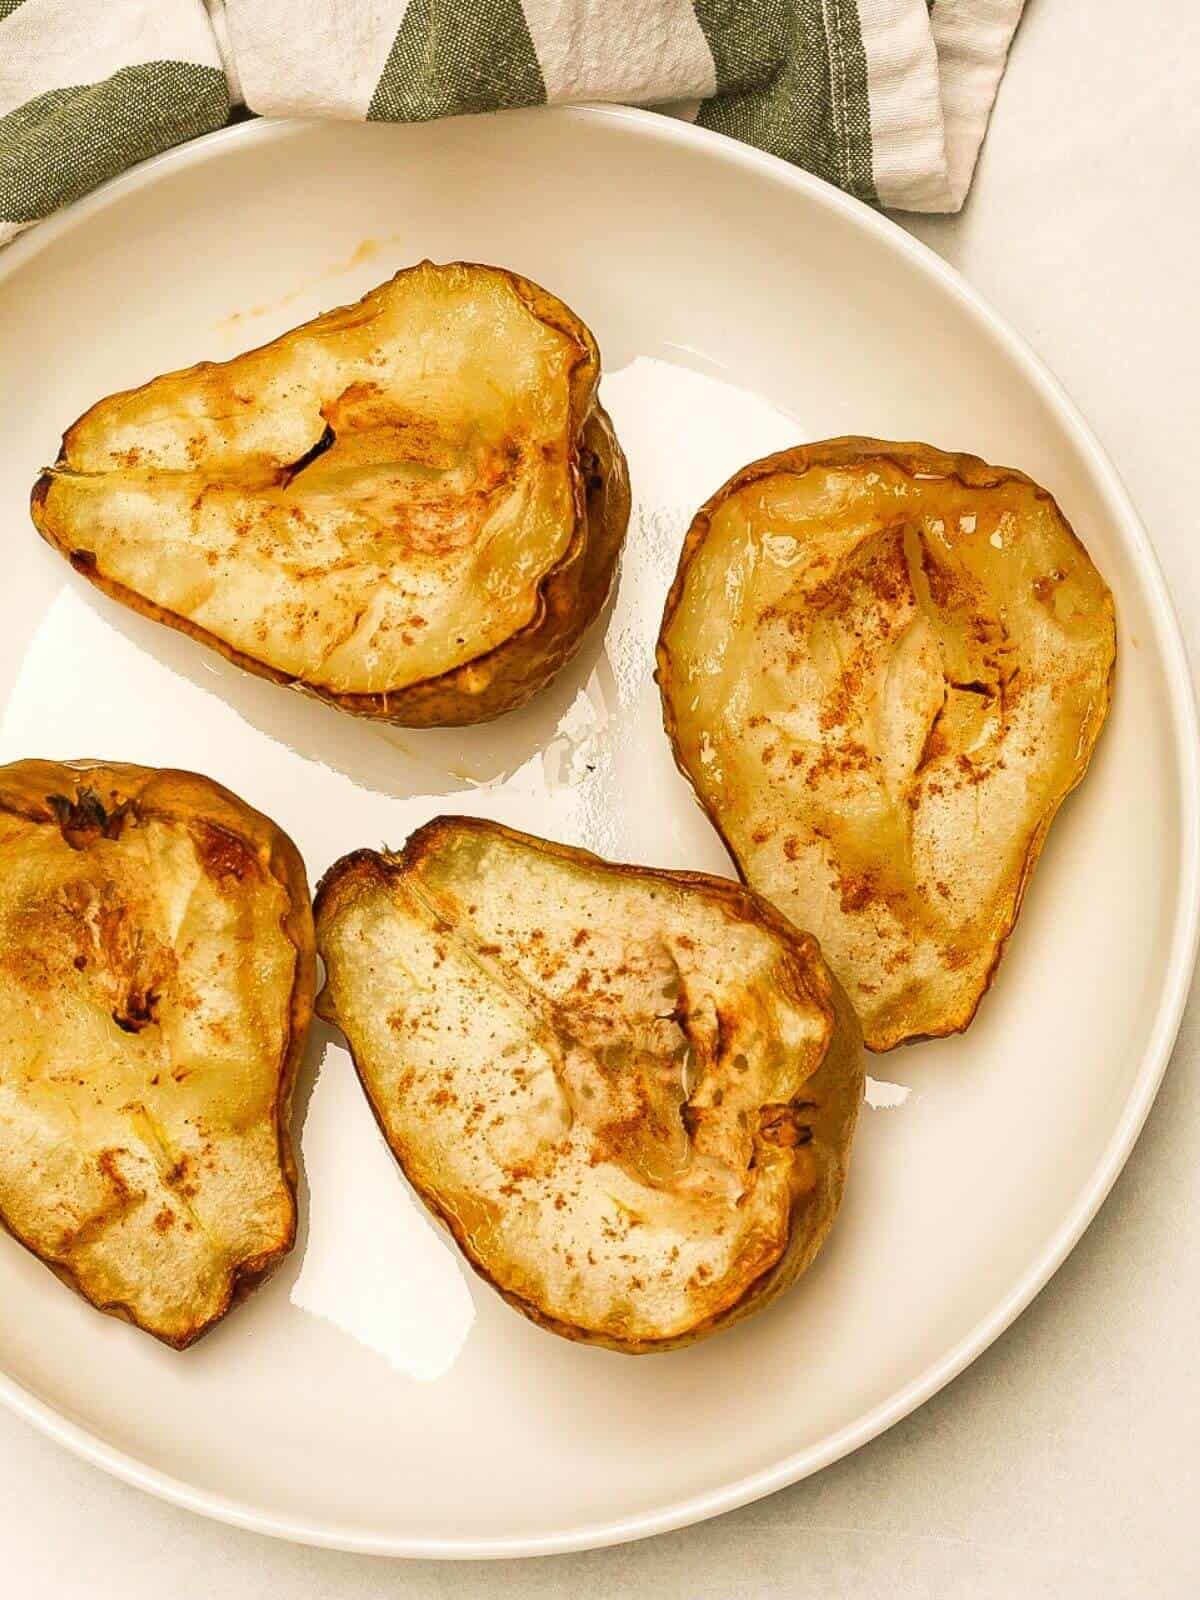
x=447, y=60
x=813, y=107
x=61, y=144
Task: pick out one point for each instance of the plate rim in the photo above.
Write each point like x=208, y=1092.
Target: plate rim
x=1176, y=975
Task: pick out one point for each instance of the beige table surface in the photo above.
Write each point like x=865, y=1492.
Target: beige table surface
x=1063, y=1462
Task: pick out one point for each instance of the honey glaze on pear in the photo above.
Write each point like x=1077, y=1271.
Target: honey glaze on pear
x=156, y=982
x=883, y=668
x=411, y=507
x=629, y=1094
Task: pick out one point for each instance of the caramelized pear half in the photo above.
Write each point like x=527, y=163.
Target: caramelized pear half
x=157, y=972
x=411, y=507
x=883, y=668
x=629, y=1094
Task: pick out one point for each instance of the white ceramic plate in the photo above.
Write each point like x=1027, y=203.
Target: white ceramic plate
x=375, y=1395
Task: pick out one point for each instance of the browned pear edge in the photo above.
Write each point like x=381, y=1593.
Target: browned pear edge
x=914, y=459
x=814, y=1214
x=25, y=788
x=569, y=598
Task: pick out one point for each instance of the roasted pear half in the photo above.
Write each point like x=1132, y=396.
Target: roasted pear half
x=629, y=1094
x=156, y=984
x=883, y=668
x=411, y=507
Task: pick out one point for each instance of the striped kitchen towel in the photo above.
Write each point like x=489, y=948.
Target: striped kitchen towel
x=887, y=98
